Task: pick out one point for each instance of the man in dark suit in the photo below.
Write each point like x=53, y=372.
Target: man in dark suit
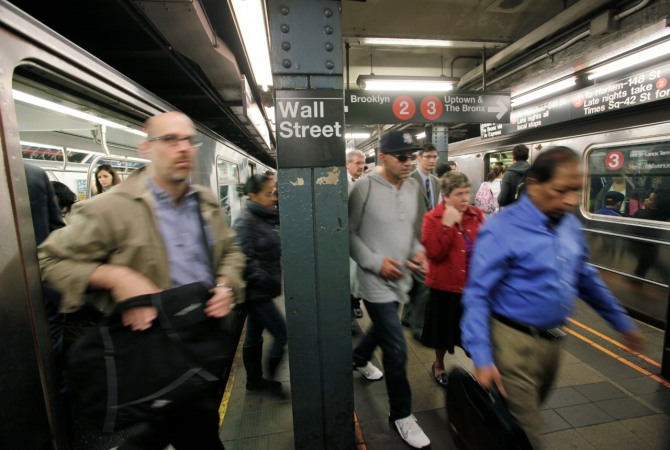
x=429, y=196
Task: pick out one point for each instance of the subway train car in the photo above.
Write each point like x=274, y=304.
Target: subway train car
x=67, y=112
x=630, y=148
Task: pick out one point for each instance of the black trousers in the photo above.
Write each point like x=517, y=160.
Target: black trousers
x=191, y=426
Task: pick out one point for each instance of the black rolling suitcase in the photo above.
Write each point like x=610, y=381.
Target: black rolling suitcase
x=479, y=419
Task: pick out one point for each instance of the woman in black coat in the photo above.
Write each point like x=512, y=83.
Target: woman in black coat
x=258, y=234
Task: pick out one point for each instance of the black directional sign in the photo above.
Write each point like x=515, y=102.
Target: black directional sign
x=310, y=128
x=366, y=107
x=643, y=86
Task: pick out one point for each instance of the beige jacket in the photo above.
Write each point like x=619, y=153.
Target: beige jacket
x=119, y=228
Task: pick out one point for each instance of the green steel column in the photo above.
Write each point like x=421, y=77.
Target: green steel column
x=306, y=58
x=440, y=139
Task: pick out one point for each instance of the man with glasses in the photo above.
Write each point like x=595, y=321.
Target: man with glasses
x=429, y=196
x=383, y=211
x=153, y=232
x=529, y=264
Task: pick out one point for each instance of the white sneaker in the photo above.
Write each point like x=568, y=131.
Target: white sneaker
x=411, y=433
x=370, y=372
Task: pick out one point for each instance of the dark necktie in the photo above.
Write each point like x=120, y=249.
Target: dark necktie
x=429, y=194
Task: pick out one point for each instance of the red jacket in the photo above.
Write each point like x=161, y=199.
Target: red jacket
x=445, y=248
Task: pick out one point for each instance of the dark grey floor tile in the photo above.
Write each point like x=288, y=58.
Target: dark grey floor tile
x=552, y=422
x=641, y=385
x=600, y=391
x=583, y=415
x=659, y=399
x=566, y=396
x=624, y=408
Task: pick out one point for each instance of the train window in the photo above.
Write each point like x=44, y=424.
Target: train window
x=64, y=127
x=228, y=176
x=503, y=157
x=629, y=181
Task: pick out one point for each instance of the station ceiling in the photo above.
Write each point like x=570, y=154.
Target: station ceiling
x=125, y=35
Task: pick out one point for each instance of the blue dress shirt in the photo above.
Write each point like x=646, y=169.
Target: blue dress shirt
x=182, y=231
x=530, y=270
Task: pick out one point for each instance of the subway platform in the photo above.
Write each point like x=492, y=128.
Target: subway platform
x=605, y=397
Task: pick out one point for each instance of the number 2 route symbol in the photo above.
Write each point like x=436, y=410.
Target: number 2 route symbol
x=614, y=160
x=404, y=107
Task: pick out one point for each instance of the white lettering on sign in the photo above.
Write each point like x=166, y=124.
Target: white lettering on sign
x=370, y=99
x=306, y=111
x=295, y=129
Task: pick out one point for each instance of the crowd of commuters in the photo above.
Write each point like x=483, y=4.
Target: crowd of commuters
x=481, y=298
x=421, y=255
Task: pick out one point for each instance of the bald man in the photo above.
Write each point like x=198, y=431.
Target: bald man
x=153, y=232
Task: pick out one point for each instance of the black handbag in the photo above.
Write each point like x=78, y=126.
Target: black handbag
x=119, y=377
x=479, y=419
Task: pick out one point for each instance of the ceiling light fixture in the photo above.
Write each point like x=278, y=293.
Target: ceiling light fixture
x=421, y=135
x=56, y=107
x=529, y=96
x=634, y=59
x=381, y=41
x=251, y=23
x=357, y=135
x=408, y=83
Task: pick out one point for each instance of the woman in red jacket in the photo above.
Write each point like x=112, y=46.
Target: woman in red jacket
x=448, y=234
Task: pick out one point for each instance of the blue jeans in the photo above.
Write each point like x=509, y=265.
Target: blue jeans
x=386, y=331
x=261, y=316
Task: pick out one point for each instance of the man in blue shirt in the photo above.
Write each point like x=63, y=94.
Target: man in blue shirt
x=529, y=264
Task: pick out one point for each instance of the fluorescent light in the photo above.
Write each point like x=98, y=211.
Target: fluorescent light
x=529, y=96
x=380, y=41
x=626, y=62
x=371, y=153
x=250, y=18
x=421, y=135
x=46, y=104
x=357, y=135
x=409, y=83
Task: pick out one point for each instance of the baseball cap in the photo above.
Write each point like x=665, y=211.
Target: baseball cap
x=613, y=197
x=398, y=141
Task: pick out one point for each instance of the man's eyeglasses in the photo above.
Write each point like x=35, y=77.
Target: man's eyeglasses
x=403, y=158
x=172, y=140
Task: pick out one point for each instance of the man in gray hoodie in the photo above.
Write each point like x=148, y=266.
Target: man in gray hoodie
x=383, y=210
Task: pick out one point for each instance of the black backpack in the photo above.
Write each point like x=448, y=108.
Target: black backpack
x=520, y=186
x=119, y=377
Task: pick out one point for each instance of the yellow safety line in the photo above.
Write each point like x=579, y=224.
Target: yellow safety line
x=223, y=407
x=618, y=344
x=617, y=357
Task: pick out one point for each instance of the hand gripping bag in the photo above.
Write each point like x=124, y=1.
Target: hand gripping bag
x=118, y=377
x=479, y=419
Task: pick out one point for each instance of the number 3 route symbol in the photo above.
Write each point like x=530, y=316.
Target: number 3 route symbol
x=404, y=107
x=614, y=160
x=431, y=107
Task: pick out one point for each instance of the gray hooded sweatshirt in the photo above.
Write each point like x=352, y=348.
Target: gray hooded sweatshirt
x=382, y=224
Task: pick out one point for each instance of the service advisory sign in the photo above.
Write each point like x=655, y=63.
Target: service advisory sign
x=644, y=86
x=365, y=107
x=310, y=128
